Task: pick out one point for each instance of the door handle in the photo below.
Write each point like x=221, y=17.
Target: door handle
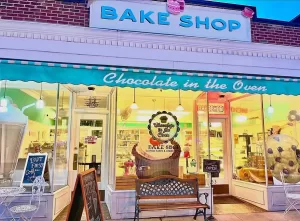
x=75, y=161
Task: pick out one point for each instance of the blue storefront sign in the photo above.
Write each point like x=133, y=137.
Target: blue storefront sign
x=144, y=78
x=153, y=17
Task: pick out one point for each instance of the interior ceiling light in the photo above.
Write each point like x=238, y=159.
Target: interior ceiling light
x=92, y=91
x=270, y=108
x=134, y=106
x=40, y=104
x=180, y=107
x=241, y=118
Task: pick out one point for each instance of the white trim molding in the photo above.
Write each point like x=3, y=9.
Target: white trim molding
x=62, y=43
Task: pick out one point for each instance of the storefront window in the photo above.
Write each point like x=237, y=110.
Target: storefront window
x=202, y=130
x=248, y=139
x=138, y=153
x=28, y=115
x=282, y=137
x=62, y=139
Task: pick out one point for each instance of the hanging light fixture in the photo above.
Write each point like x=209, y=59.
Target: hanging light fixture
x=62, y=111
x=134, y=106
x=4, y=101
x=270, y=108
x=40, y=104
x=180, y=107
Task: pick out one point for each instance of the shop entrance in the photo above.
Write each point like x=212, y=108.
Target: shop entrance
x=91, y=140
x=219, y=149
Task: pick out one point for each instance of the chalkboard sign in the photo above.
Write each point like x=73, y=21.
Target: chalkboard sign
x=211, y=166
x=34, y=166
x=86, y=195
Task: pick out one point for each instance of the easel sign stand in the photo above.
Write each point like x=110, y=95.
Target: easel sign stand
x=212, y=167
x=86, y=196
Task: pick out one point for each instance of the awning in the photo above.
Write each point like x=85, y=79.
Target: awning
x=14, y=70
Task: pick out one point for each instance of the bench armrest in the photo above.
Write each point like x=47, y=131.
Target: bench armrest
x=205, y=197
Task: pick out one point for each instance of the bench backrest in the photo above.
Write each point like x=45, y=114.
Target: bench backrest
x=164, y=187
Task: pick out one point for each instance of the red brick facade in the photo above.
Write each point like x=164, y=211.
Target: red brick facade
x=275, y=34
x=49, y=11
x=52, y=11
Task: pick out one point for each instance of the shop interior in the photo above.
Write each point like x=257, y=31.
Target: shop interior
x=254, y=136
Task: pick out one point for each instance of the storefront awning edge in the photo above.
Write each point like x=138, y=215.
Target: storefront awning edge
x=144, y=78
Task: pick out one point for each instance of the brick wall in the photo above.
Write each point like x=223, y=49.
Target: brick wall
x=52, y=11
x=49, y=11
x=275, y=34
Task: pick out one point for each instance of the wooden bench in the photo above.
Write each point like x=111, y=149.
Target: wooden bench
x=166, y=188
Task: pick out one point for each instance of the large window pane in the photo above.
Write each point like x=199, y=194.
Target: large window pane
x=202, y=130
x=282, y=136
x=247, y=139
x=62, y=140
x=132, y=129
x=27, y=126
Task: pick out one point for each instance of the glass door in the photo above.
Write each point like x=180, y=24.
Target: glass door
x=91, y=140
x=218, y=148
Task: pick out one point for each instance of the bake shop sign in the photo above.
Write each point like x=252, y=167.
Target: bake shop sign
x=173, y=17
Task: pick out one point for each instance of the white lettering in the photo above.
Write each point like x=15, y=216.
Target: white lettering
x=214, y=85
x=113, y=77
x=238, y=85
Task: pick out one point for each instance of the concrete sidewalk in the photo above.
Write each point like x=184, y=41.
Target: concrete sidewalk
x=266, y=216
x=224, y=212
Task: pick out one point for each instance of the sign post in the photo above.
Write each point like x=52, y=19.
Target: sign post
x=213, y=168
x=86, y=195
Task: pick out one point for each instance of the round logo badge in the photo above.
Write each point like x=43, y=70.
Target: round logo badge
x=163, y=126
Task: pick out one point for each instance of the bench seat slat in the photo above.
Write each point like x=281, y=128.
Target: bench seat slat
x=169, y=197
x=171, y=206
